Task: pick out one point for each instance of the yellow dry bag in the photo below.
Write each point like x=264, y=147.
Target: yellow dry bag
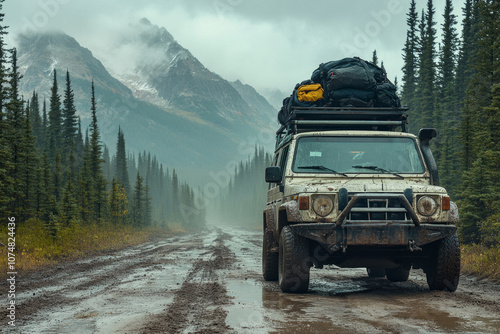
x=310, y=93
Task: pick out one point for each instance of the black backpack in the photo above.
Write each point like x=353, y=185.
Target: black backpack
x=353, y=82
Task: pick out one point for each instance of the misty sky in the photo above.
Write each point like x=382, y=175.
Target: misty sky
x=265, y=44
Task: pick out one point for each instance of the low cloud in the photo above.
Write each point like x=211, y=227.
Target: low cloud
x=265, y=44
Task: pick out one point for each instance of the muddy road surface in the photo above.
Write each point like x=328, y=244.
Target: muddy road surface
x=211, y=282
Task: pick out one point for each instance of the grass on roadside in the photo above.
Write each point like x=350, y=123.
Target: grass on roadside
x=481, y=261
x=36, y=248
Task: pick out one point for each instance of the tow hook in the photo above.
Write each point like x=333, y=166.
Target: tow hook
x=412, y=246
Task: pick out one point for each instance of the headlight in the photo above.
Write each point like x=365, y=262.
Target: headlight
x=427, y=206
x=323, y=205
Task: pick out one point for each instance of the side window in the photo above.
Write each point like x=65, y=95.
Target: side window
x=275, y=160
x=283, y=160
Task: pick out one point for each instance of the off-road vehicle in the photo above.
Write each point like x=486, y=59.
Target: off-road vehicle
x=353, y=188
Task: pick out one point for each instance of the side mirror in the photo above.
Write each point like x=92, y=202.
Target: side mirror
x=273, y=174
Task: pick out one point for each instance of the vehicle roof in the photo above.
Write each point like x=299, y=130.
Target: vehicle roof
x=355, y=133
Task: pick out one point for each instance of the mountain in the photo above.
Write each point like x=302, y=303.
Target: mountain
x=191, y=118
x=275, y=97
x=176, y=80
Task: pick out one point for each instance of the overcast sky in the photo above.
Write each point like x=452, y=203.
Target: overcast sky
x=267, y=44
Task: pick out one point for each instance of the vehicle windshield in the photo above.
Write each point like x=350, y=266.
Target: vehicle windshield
x=369, y=155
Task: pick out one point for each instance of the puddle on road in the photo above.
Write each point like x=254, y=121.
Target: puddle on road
x=247, y=314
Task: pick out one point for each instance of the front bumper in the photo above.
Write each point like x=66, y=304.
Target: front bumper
x=334, y=237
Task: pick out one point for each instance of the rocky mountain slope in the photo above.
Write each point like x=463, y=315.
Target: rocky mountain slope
x=168, y=103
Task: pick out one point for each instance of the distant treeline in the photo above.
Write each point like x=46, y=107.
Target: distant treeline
x=246, y=195
x=454, y=85
x=52, y=171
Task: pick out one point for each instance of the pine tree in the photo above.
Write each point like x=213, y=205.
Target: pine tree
x=445, y=116
x=44, y=145
x=410, y=58
x=28, y=168
x=121, y=170
x=14, y=133
x=69, y=112
x=43, y=194
x=118, y=203
x=138, y=202
x=55, y=120
x=95, y=160
x=6, y=180
x=36, y=120
x=79, y=144
x=427, y=76
x=85, y=187
x=375, y=57
x=69, y=208
x=465, y=68
x=447, y=64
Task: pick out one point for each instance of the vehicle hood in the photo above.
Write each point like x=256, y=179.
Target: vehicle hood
x=360, y=184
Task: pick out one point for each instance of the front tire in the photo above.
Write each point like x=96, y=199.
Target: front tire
x=444, y=272
x=269, y=259
x=294, y=262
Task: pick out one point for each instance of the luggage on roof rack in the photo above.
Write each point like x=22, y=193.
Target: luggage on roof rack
x=345, y=83
x=333, y=118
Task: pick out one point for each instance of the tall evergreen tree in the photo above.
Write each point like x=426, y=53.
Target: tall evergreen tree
x=118, y=203
x=15, y=117
x=410, y=57
x=121, y=170
x=465, y=68
x=138, y=202
x=375, y=57
x=446, y=116
x=70, y=121
x=28, y=168
x=6, y=180
x=427, y=71
x=55, y=120
x=95, y=160
x=36, y=120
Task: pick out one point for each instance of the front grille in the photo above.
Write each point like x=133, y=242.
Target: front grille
x=378, y=210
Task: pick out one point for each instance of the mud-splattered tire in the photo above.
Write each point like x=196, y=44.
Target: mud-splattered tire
x=269, y=259
x=375, y=272
x=294, y=262
x=398, y=274
x=444, y=272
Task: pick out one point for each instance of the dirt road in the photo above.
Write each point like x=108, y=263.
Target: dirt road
x=210, y=282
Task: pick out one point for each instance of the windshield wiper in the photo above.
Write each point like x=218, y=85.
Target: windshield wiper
x=322, y=168
x=379, y=169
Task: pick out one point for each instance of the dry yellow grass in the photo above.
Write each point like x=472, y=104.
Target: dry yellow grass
x=35, y=247
x=481, y=261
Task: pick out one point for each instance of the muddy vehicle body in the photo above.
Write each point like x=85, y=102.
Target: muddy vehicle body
x=351, y=187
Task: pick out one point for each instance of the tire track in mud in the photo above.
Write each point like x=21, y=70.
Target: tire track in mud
x=83, y=280
x=198, y=306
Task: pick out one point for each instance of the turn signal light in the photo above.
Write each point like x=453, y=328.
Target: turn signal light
x=446, y=203
x=304, y=203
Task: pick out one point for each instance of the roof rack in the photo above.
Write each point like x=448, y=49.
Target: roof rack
x=334, y=118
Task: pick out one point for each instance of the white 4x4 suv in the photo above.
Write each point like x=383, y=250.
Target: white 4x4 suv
x=351, y=187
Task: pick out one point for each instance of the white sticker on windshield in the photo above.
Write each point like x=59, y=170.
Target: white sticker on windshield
x=315, y=154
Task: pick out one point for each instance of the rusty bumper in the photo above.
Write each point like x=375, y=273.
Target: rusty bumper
x=335, y=237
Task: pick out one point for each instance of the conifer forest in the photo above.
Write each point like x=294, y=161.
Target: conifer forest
x=53, y=171
x=452, y=83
